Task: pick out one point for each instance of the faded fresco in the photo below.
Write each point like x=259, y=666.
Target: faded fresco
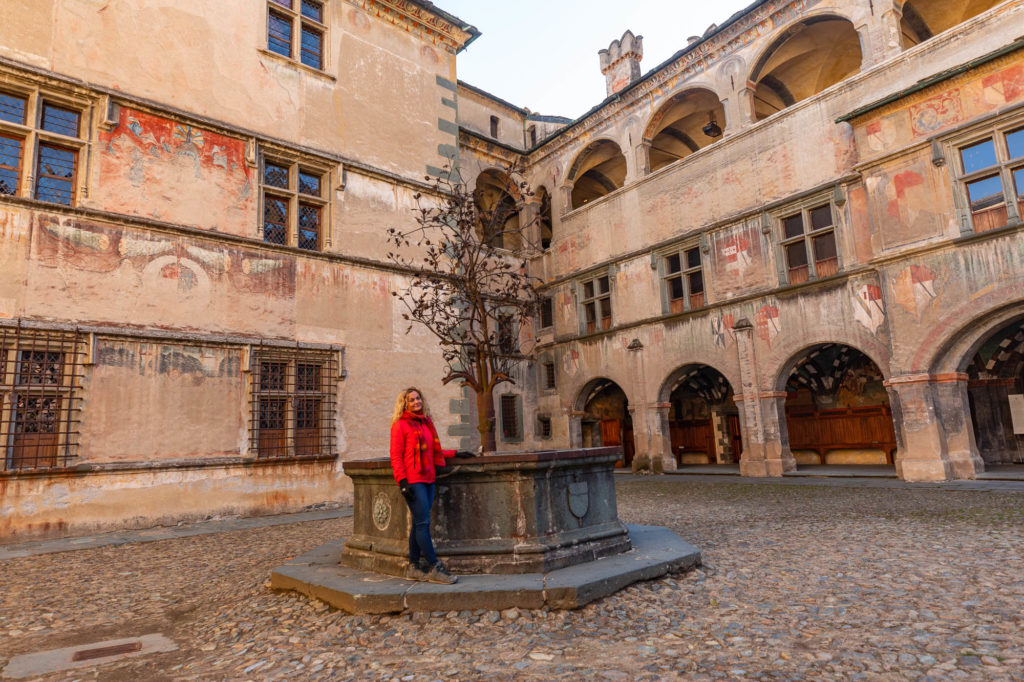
x=174, y=172
x=737, y=262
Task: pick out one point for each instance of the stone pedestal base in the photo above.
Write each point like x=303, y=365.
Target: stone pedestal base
x=525, y=513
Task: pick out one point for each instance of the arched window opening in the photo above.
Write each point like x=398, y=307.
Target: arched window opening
x=704, y=421
x=813, y=55
x=837, y=409
x=599, y=170
x=606, y=421
x=544, y=218
x=923, y=19
x=498, y=218
x=996, y=384
x=689, y=121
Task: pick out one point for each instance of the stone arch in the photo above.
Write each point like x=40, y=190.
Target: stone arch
x=921, y=20
x=700, y=416
x=837, y=408
x=497, y=198
x=684, y=123
x=599, y=169
x=601, y=418
x=807, y=57
x=789, y=354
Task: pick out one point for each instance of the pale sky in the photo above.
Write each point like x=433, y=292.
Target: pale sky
x=542, y=54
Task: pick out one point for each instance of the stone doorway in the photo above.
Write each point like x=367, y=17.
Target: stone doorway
x=995, y=390
x=606, y=419
x=837, y=409
x=703, y=419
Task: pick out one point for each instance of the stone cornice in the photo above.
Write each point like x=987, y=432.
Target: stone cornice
x=423, y=20
x=486, y=147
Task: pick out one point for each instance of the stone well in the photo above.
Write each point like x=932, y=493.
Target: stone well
x=501, y=514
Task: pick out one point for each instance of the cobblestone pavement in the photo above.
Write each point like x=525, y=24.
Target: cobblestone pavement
x=799, y=582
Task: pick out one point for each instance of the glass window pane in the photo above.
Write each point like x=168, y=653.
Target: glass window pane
x=283, y=3
x=55, y=172
x=275, y=220
x=309, y=227
x=12, y=108
x=606, y=308
x=591, y=311
x=1015, y=143
x=825, y=247
x=313, y=9
x=58, y=120
x=793, y=226
x=279, y=34
x=796, y=255
x=1018, y=181
x=821, y=217
x=978, y=156
x=10, y=164
x=675, y=288
x=603, y=284
x=275, y=175
x=588, y=290
x=696, y=282
x=312, y=48
x=693, y=258
x=307, y=377
x=309, y=184
x=273, y=376
x=673, y=264
x=985, y=193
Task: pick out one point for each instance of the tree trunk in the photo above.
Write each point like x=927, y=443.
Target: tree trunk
x=485, y=420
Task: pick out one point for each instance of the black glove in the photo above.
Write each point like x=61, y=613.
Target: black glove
x=465, y=454
x=406, y=489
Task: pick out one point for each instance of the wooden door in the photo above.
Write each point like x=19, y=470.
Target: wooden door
x=735, y=438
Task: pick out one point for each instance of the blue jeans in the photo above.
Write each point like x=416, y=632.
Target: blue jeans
x=420, y=543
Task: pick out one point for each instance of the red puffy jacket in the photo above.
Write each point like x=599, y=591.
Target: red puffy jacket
x=416, y=449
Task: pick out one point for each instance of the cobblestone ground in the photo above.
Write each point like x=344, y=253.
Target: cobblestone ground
x=798, y=582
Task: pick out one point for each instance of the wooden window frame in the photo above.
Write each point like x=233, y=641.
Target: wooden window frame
x=296, y=200
x=1011, y=210
x=814, y=267
x=289, y=440
x=596, y=298
x=299, y=22
x=34, y=139
x=688, y=300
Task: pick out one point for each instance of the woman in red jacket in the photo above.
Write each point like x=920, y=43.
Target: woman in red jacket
x=415, y=454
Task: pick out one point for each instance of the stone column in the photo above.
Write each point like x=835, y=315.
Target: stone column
x=643, y=158
x=565, y=192
x=576, y=429
x=661, y=436
x=762, y=415
x=744, y=108
x=922, y=454
x=954, y=414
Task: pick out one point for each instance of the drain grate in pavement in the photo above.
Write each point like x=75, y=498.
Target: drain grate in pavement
x=85, y=655
x=104, y=651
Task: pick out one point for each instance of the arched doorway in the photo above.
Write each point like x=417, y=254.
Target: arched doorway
x=606, y=420
x=837, y=409
x=704, y=421
x=600, y=169
x=812, y=55
x=923, y=19
x=687, y=122
x=995, y=392
x=496, y=208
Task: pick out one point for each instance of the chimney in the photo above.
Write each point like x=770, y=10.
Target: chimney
x=620, y=63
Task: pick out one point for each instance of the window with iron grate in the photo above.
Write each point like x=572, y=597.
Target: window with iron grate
x=511, y=423
x=41, y=134
x=40, y=397
x=547, y=312
x=549, y=375
x=293, y=403
x=543, y=427
x=296, y=30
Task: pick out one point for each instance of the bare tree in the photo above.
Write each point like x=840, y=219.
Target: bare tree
x=471, y=293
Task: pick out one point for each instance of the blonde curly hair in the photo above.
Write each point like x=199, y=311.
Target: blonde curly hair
x=400, y=403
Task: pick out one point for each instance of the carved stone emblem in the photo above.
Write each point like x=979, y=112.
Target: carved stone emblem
x=579, y=499
x=381, y=511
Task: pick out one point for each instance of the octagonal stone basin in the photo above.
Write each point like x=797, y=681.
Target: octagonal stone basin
x=503, y=514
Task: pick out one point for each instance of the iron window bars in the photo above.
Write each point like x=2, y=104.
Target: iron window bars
x=40, y=396
x=294, y=398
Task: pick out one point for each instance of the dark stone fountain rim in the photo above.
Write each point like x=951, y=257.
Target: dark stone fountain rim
x=541, y=457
